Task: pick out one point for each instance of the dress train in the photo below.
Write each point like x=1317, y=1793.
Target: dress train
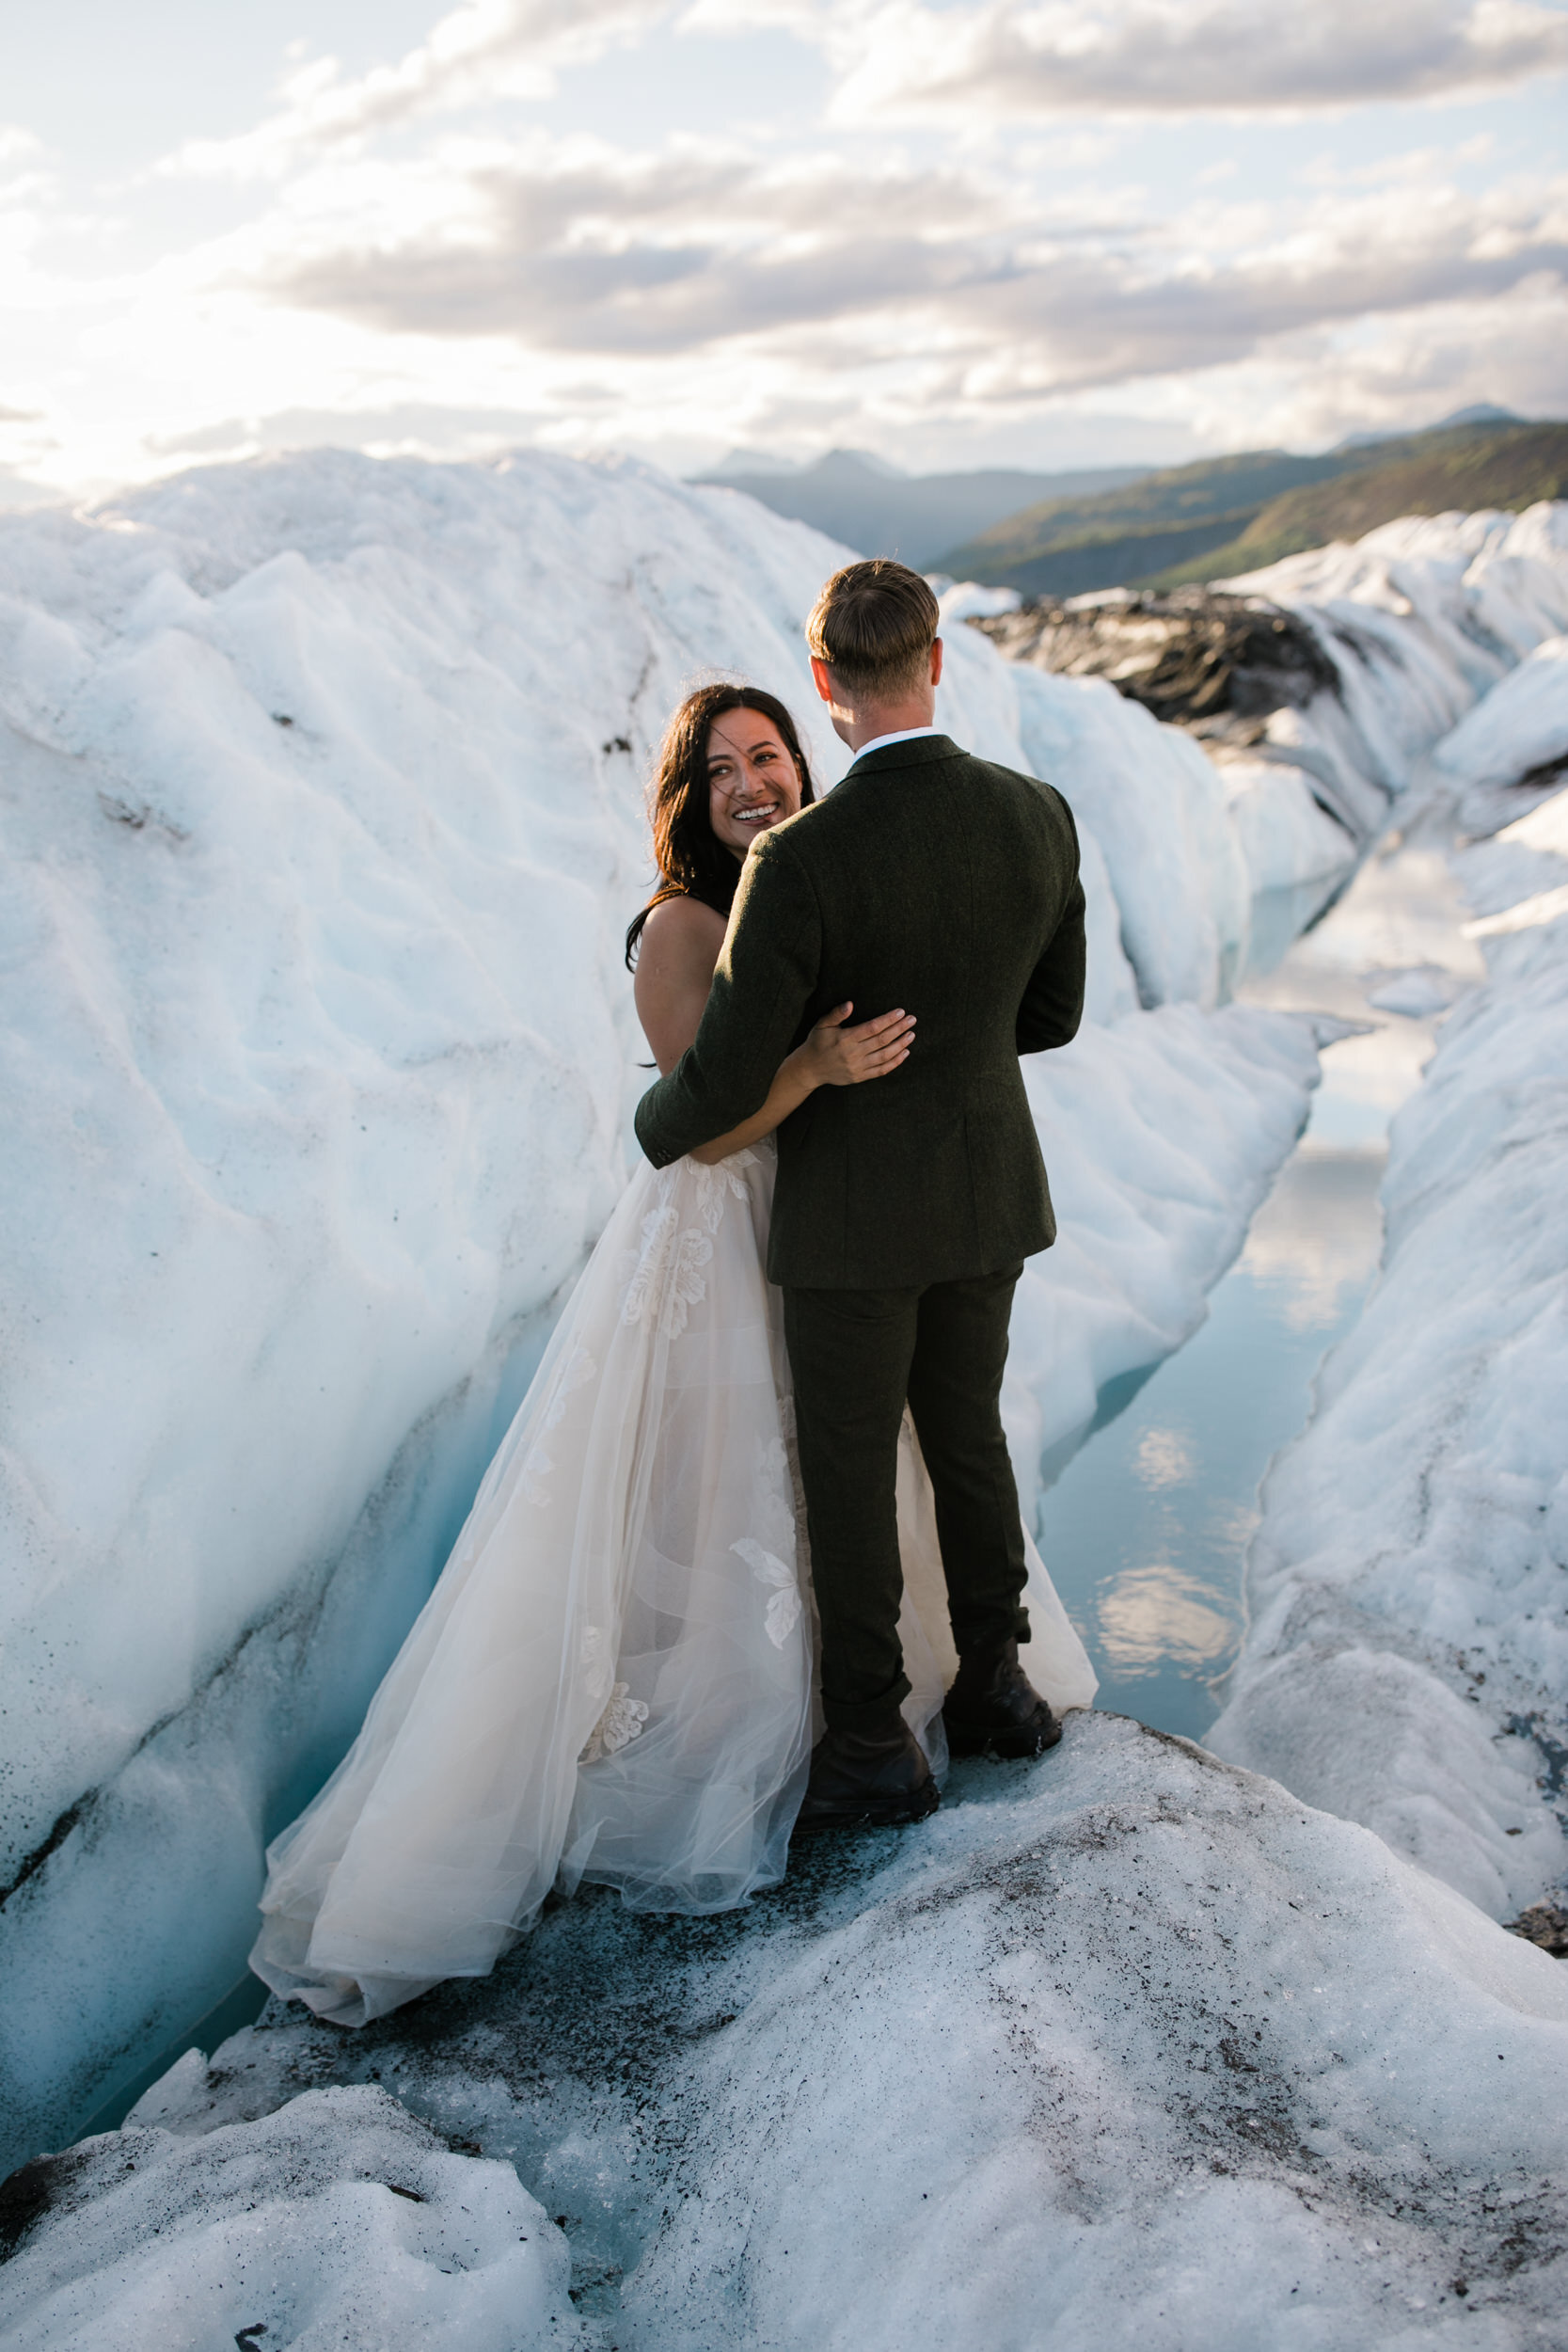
x=611, y=1681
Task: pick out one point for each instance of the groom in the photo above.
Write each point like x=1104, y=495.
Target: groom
x=905, y=1208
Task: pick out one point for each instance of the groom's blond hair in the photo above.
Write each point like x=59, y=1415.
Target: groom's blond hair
x=874, y=625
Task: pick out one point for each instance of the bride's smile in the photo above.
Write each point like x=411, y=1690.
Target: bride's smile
x=752, y=780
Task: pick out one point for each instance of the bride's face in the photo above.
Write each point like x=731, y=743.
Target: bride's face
x=752, y=780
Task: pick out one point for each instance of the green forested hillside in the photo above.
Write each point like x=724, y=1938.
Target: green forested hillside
x=1509, y=470
x=1230, y=514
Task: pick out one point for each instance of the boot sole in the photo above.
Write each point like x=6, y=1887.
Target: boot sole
x=872, y=1813
x=1009, y=1745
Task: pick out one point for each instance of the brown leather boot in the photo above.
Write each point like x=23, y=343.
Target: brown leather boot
x=867, y=1780
x=994, y=1710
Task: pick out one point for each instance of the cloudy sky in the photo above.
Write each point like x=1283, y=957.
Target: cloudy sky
x=958, y=232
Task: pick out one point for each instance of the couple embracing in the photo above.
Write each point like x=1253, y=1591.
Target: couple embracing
x=749, y=1563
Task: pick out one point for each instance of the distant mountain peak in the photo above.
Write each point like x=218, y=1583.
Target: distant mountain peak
x=835, y=465
x=841, y=461
x=1479, y=412
x=857, y=497
x=748, y=461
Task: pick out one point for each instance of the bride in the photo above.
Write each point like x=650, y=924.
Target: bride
x=612, y=1680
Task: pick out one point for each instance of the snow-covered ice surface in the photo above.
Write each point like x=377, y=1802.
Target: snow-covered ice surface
x=1155, y=803
x=1512, y=748
x=1125, y=2051
x=1406, y=1663
x=968, y=600
x=337, y=2223
x=1420, y=618
x=1418, y=991
x=322, y=806
x=1417, y=620
x=1512, y=877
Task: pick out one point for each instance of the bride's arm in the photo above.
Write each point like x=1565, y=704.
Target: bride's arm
x=831, y=1055
x=679, y=948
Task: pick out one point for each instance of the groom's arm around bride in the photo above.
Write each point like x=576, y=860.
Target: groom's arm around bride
x=947, y=885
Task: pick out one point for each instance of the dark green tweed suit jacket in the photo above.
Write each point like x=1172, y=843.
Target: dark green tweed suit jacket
x=929, y=880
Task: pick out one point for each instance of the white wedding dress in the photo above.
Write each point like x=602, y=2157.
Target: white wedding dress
x=613, y=1679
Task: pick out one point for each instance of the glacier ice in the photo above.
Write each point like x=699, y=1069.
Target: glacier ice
x=336, y=2223
x=1405, y=1662
x=1156, y=805
x=323, y=818
x=1420, y=618
x=1415, y=621
x=1506, y=749
x=1125, y=2051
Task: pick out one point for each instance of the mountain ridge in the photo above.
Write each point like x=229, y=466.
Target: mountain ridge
x=856, y=497
x=1221, y=516
x=1511, y=469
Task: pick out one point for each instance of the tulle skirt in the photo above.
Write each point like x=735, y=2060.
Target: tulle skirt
x=612, y=1680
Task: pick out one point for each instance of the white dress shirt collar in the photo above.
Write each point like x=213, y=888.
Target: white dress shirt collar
x=881, y=743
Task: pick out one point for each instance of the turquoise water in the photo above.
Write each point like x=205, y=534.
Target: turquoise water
x=1144, y=1526
x=1145, y=1531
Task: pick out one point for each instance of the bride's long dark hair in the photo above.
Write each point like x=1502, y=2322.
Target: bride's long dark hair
x=692, y=861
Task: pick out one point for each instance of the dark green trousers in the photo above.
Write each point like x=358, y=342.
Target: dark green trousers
x=856, y=1356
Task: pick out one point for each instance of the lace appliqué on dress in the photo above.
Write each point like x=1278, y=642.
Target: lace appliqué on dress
x=617, y=1727
x=771, y=1552
x=782, y=1612
x=666, y=1278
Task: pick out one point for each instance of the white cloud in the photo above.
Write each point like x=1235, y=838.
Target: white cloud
x=672, y=254
x=484, y=51
x=409, y=265
x=18, y=145
x=411, y=427
x=1046, y=57
x=1410, y=368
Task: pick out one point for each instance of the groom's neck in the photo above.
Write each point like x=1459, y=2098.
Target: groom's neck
x=861, y=723
x=856, y=718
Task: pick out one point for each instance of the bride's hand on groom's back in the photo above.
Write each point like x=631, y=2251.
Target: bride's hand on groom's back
x=837, y=1056
x=833, y=1056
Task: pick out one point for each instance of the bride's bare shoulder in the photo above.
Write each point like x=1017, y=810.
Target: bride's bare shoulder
x=682, y=928
x=675, y=956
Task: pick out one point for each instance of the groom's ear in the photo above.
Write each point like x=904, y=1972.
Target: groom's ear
x=936, y=662
x=822, y=678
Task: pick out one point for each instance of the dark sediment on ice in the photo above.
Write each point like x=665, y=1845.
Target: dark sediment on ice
x=1202, y=659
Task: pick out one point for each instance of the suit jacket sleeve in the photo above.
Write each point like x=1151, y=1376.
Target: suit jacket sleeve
x=762, y=984
x=1052, y=1003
